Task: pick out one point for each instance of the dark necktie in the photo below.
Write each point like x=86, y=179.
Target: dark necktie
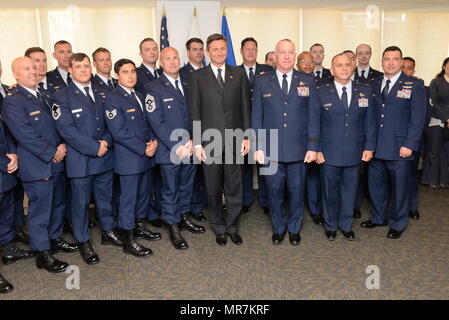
x=251, y=75
x=220, y=79
x=386, y=89
x=344, y=98
x=284, y=85
x=69, y=79
x=363, y=73
x=40, y=86
x=318, y=74
x=155, y=74
x=177, y=88
x=110, y=85
x=88, y=96
x=42, y=99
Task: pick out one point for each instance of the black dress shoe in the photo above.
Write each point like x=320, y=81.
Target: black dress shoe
x=157, y=223
x=92, y=225
x=11, y=254
x=331, y=235
x=266, y=210
x=199, y=217
x=414, y=214
x=111, y=238
x=368, y=224
x=245, y=209
x=141, y=232
x=349, y=235
x=5, y=286
x=221, y=239
x=88, y=254
x=277, y=238
x=131, y=246
x=318, y=219
x=188, y=225
x=60, y=245
x=21, y=236
x=394, y=234
x=294, y=238
x=44, y=260
x=235, y=238
x=176, y=238
x=357, y=214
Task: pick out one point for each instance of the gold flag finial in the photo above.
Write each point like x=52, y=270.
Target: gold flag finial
x=194, y=12
x=224, y=11
x=163, y=11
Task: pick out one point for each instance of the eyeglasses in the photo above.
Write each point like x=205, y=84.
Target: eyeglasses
x=306, y=61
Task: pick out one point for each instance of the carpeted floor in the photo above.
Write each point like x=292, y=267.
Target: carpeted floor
x=416, y=266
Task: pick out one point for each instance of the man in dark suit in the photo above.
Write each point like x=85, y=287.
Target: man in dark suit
x=285, y=101
x=364, y=73
x=400, y=103
x=220, y=100
x=322, y=75
x=146, y=73
x=59, y=78
x=348, y=137
x=248, y=50
x=103, y=64
x=195, y=55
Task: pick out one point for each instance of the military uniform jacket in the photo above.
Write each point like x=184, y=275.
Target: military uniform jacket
x=373, y=74
x=400, y=118
x=98, y=82
x=55, y=81
x=346, y=132
x=167, y=112
x=7, y=145
x=186, y=70
x=326, y=77
x=260, y=69
x=29, y=120
x=81, y=125
x=144, y=76
x=130, y=132
x=296, y=117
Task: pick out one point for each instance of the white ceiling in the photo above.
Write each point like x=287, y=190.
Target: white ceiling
x=401, y=5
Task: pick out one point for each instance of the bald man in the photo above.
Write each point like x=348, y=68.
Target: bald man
x=169, y=94
x=41, y=151
x=304, y=62
x=364, y=73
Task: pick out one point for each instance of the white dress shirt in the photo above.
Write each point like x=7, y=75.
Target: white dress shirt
x=281, y=78
x=348, y=90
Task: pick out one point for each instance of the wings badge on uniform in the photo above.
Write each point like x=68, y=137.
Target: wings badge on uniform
x=150, y=103
x=56, y=111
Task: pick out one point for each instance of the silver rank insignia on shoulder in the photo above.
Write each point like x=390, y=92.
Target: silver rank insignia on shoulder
x=56, y=111
x=111, y=114
x=150, y=104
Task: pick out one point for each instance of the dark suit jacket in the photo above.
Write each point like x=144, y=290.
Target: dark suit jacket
x=229, y=109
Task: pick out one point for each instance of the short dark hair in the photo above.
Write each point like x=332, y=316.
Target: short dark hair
x=78, y=57
x=316, y=45
x=266, y=55
x=98, y=50
x=31, y=50
x=392, y=48
x=442, y=72
x=120, y=63
x=191, y=40
x=145, y=40
x=410, y=59
x=246, y=40
x=215, y=37
x=348, y=51
x=60, y=42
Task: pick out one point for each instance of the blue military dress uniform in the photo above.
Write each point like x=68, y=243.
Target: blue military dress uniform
x=130, y=131
x=346, y=131
x=295, y=116
x=29, y=119
x=81, y=123
x=7, y=183
x=400, y=120
x=108, y=87
x=168, y=111
x=55, y=81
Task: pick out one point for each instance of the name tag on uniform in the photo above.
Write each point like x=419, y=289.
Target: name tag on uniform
x=34, y=113
x=266, y=95
x=363, y=103
x=327, y=105
x=303, y=91
x=404, y=94
x=77, y=110
x=168, y=100
x=131, y=110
